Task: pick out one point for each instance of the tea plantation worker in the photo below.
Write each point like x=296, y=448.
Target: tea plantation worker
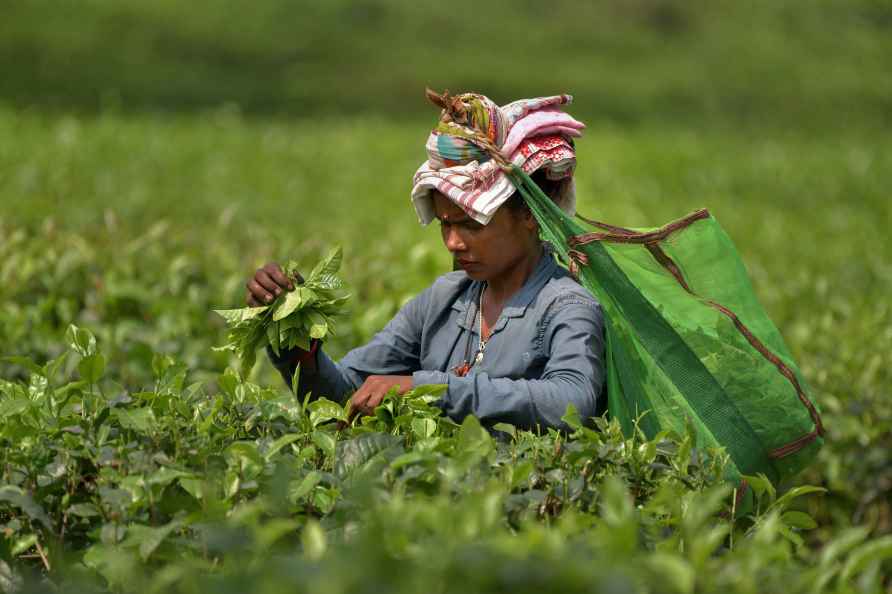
x=512, y=335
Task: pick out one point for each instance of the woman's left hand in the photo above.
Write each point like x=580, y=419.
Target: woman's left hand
x=372, y=392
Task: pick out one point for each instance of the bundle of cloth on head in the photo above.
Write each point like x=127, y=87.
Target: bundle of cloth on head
x=530, y=133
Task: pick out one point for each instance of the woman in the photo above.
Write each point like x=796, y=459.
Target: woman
x=511, y=334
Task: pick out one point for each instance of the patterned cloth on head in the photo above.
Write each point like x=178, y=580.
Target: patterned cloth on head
x=530, y=133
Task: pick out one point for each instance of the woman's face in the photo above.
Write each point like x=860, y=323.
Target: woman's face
x=488, y=251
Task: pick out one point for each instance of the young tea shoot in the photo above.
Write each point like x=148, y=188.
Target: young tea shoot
x=293, y=319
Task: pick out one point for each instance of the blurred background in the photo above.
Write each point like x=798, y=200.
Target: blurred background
x=795, y=63
x=152, y=154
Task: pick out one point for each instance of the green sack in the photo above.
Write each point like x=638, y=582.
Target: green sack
x=687, y=341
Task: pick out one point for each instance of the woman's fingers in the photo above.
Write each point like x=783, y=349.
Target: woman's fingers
x=259, y=292
x=251, y=301
x=370, y=394
x=357, y=403
x=266, y=281
x=373, y=390
x=275, y=272
x=374, y=400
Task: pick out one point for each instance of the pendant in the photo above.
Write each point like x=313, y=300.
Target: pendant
x=462, y=370
x=478, y=358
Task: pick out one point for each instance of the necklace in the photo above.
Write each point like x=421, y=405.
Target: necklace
x=481, y=346
x=462, y=369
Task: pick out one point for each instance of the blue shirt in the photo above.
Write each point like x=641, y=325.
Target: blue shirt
x=545, y=351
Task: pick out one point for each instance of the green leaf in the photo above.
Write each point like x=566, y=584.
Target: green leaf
x=272, y=335
x=843, y=542
x=19, y=498
x=92, y=367
x=148, y=539
x=874, y=551
x=618, y=513
x=424, y=428
x=280, y=443
x=271, y=532
x=427, y=392
x=141, y=420
x=520, y=474
x=291, y=302
x=116, y=565
x=313, y=540
x=25, y=362
x=13, y=406
x=10, y=581
x=571, y=418
x=318, y=324
x=505, y=428
x=798, y=519
x=246, y=456
x=242, y=314
x=322, y=410
x=84, y=510
x=325, y=442
x=165, y=476
x=160, y=364
x=473, y=437
x=307, y=297
x=112, y=533
x=303, y=488
x=318, y=330
x=784, y=500
x=231, y=484
x=353, y=453
x=23, y=544
x=761, y=485
x=80, y=340
x=330, y=264
x=193, y=486
x=674, y=572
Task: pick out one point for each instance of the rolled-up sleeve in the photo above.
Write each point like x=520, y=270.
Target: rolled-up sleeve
x=395, y=350
x=573, y=341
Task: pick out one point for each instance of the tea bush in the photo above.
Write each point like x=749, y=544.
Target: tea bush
x=184, y=485
x=135, y=459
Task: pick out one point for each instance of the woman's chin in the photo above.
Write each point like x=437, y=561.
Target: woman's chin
x=474, y=271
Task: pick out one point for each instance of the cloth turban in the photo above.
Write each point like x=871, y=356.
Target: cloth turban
x=531, y=133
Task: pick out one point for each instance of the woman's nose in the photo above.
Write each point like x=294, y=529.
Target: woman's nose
x=453, y=240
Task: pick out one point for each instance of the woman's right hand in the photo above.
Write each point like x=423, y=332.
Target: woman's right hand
x=268, y=283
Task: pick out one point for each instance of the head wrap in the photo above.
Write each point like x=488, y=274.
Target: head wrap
x=530, y=133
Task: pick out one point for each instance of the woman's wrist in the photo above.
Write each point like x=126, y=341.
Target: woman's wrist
x=288, y=359
x=305, y=358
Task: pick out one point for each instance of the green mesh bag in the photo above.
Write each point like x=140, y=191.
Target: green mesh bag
x=687, y=341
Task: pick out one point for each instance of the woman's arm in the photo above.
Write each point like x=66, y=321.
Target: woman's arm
x=574, y=374
x=395, y=350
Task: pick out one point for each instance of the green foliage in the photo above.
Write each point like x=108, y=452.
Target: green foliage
x=154, y=489
x=796, y=64
x=133, y=459
x=185, y=453
x=293, y=320
x=195, y=486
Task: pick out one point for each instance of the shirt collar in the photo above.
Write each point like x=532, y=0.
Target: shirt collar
x=517, y=305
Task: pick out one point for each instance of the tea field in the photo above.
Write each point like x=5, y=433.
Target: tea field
x=135, y=458
x=154, y=154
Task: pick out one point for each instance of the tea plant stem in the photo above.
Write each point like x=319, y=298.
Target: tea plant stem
x=43, y=557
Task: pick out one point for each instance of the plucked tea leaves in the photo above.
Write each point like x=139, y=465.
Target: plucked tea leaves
x=293, y=319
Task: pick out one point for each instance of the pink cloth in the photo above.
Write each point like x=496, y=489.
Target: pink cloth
x=538, y=136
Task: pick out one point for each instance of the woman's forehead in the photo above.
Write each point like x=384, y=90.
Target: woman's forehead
x=446, y=209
